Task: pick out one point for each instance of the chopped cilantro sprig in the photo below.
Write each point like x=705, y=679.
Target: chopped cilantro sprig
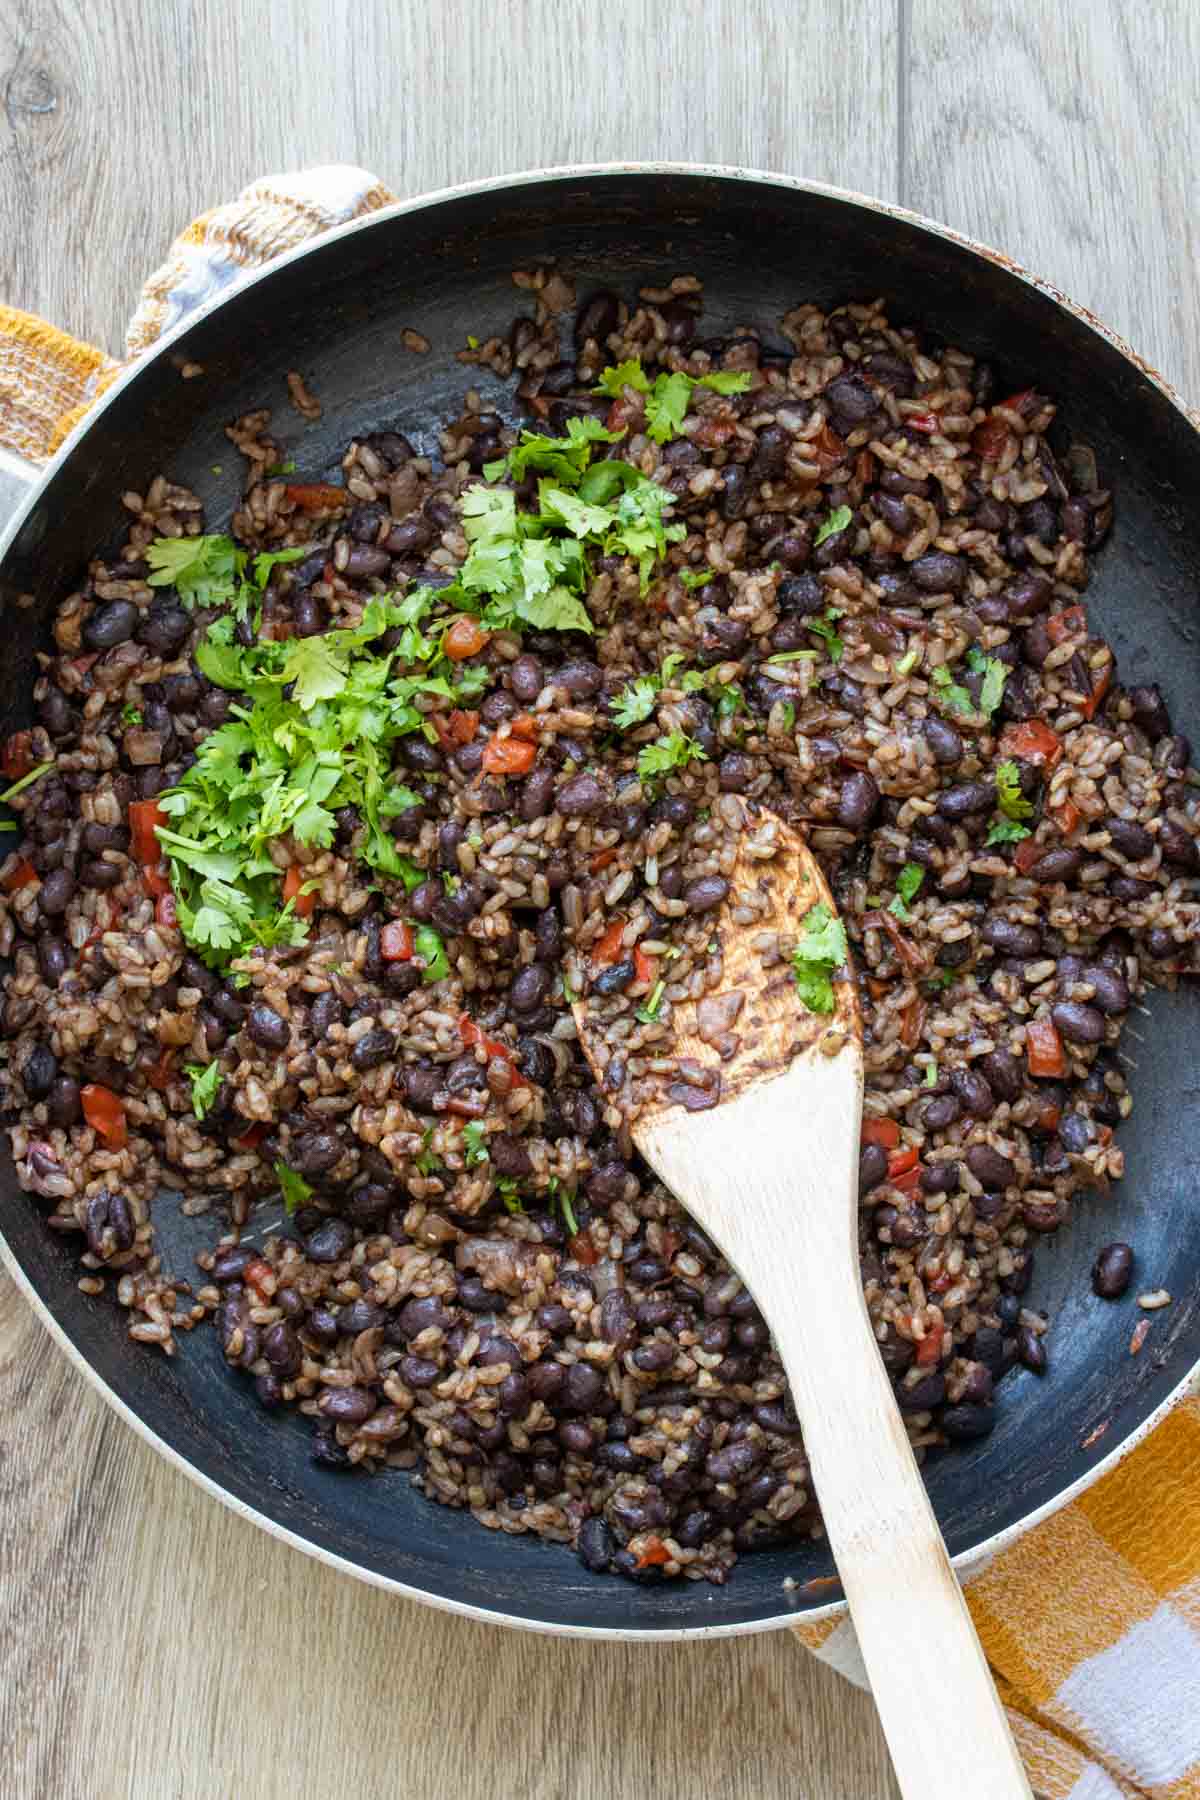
x=820, y=950
x=668, y=396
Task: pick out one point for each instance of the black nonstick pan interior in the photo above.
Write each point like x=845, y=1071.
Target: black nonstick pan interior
x=337, y=313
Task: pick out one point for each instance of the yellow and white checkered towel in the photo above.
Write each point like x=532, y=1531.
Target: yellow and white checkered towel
x=1091, y=1622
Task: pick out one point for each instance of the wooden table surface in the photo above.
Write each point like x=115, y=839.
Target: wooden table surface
x=151, y=1644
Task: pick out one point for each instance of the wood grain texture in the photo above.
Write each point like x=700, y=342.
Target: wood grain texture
x=1069, y=137
x=152, y=1646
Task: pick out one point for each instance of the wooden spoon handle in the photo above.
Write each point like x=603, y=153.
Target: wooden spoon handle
x=773, y=1175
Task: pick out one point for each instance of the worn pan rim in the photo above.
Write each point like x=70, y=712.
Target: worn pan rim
x=966, y=1560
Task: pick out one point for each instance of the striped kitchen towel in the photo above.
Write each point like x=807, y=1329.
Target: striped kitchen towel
x=1091, y=1622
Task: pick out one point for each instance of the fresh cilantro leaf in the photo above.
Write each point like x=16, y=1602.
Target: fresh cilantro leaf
x=668, y=399
x=131, y=714
x=430, y=948
x=556, y=610
x=565, y=458
x=835, y=521
x=205, y=1079
x=995, y=674
x=561, y=1200
x=666, y=406
x=697, y=578
x=506, y=1187
x=283, y=468
x=1009, y=798
x=635, y=703
x=613, y=381
x=674, y=751
x=789, y=715
x=727, y=381
x=475, y=1139
x=941, y=978
x=949, y=691
x=1006, y=831
x=908, y=662
x=821, y=949
x=317, y=666
x=824, y=629
x=266, y=560
x=295, y=1190
x=204, y=571
x=907, y=882
x=730, y=699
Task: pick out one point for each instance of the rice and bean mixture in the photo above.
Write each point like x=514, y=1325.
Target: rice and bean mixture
x=440, y=743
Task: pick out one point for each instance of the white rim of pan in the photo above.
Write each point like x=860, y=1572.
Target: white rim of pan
x=967, y=1560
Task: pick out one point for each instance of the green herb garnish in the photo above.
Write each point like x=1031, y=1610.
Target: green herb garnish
x=205, y=1079
x=18, y=787
x=506, y=1187
x=648, y=1011
x=907, y=882
x=674, y=751
x=283, y=468
x=949, y=691
x=820, y=950
x=995, y=674
x=430, y=948
x=475, y=1139
x=907, y=662
x=1009, y=798
x=131, y=714
x=295, y=1190
x=669, y=396
x=931, y=1074
x=835, y=521
x=823, y=628
x=1005, y=831
x=697, y=578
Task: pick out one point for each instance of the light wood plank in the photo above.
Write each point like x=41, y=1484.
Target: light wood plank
x=151, y=1644
x=1068, y=136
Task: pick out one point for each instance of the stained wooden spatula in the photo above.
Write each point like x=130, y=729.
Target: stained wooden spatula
x=771, y=1173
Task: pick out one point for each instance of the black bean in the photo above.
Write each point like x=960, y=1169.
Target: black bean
x=579, y=797
x=735, y=494
x=109, y=625
x=654, y=1357
x=941, y=1113
x=894, y=513
x=1131, y=839
x=1028, y=595
x=315, y=1152
x=1079, y=1024
x=583, y=1386
x=164, y=628
x=281, y=1347
x=990, y=1167
x=39, y=1072
x=1076, y=1132
x=53, y=961
x=973, y=1090
x=597, y=318
x=374, y=1048
x=94, y=875
x=57, y=714
x=872, y=1167
x=770, y=453
x=925, y=1393
x=346, y=1406
x=1031, y=1349
x=1112, y=1271
x=581, y=678
x=325, y=1012
x=530, y=987
x=945, y=744
x=939, y=572
x=63, y=1103
x=595, y=1545
x=330, y=1241
x=735, y=1460
x=1009, y=938
x=858, y=801
x=57, y=892
x=966, y=799
x=965, y=1423
x=1110, y=989
x=1160, y=944
x=617, y=1322
x=851, y=401
x=705, y=893
x=266, y=1028
x=1004, y=1073
x=1179, y=848
x=1150, y=710
x=1060, y=864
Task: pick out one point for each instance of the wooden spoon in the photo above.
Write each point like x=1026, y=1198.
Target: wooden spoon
x=771, y=1173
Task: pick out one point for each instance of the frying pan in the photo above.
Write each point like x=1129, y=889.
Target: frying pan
x=760, y=244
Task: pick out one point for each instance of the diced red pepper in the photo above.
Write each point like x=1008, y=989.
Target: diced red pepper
x=905, y=949
x=828, y=448
x=582, y=1249
x=23, y=875
x=156, y=881
x=105, y=1113
x=906, y=1182
x=645, y=967
x=609, y=947
x=929, y=1348
x=293, y=882
x=316, y=496
x=396, y=941
x=261, y=1277
x=1066, y=817
x=1100, y=688
x=145, y=817
x=924, y=422
x=16, y=759
x=508, y=756
x=884, y=1132
x=1033, y=741
x=252, y=1137
x=598, y=863
x=165, y=911
x=654, y=1555
x=989, y=439
x=1024, y=403
x=864, y=467
x=1043, y=1047
x=940, y=1282
x=1048, y=1118
x=161, y=1073
x=471, y=1035
x=466, y=637
x=1027, y=852
x=1070, y=622
x=901, y=1161
x=460, y=728
x=525, y=726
